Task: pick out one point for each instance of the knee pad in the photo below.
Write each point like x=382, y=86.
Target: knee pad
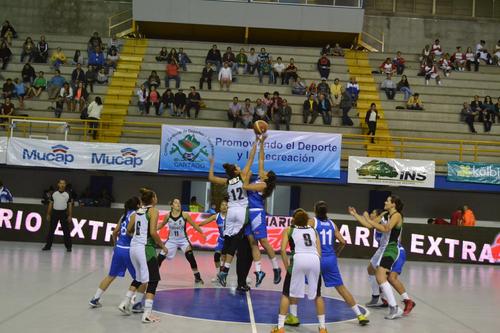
x=190, y=257
x=136, y=284
x=217, y=256
x=151, y=289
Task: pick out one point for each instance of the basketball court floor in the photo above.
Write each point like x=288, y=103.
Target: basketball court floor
x=49, y=292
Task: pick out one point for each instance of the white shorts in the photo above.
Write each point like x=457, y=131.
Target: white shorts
x=305, y=266
x=236, y=217
x=138, y=258
x=375, y=260
x=173, y=244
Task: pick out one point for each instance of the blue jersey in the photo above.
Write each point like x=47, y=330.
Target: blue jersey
x=123, y=238
x=326, y=232
x=220, y=224
x=255, y=199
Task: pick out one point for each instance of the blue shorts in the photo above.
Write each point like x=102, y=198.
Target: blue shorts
x=257, y=226
x=330, y=271
x=220, y=244
x=400, y=261
x=121, y=262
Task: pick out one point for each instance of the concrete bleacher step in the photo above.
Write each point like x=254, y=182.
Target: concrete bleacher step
x=124, y=74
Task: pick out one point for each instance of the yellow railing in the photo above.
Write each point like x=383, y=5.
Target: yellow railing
x=460, y=150
x=121, y=22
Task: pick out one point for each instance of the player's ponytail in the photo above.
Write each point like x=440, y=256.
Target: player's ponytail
x=131, y=204
x=270, y=184
x=230, y=169
x=321, y=210
x=147, y=196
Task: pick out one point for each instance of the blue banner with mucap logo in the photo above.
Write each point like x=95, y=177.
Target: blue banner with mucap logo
x=288, y=154
x=472, y=172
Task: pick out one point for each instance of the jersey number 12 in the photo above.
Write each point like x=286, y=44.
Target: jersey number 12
x=237, y=193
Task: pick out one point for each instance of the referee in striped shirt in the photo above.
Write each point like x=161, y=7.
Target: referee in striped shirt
x=60, y=210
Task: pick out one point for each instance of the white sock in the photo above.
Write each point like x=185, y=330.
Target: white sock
x=386, y=288
x=321, y=320
x=148, y=308
x=274, y=262
x=98, y=293
x=405, y=296
x=281, y=321
x=374, y=285
x=127, y=298
x=139, y=297
x=355, y=308
x=258, y=266
x=293, y=309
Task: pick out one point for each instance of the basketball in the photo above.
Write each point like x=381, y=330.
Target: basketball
x=260, y=127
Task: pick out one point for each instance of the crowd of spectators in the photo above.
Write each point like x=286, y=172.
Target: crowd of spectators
x=485, y=111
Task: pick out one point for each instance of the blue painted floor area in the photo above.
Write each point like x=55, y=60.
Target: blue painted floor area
x=223, y=304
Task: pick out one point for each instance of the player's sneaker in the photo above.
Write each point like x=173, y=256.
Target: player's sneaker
x=394, y=313
x=278, y=330
x=277, y=275
x=198, y=280
x=373, y=302
x=409, y=305
x=322, y=330
x=259, y=276
x=149, y=319
x=124, y=307
x=243, y=289
x=94, y=303
x=362, y=320
x=221, y=278
x=292, y=320
x=138, y=307
x=384, y=304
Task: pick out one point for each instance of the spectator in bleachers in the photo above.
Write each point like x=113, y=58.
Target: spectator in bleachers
x=5, y=195
x=66, y=93
x=78, y=75
x=172, y=55
x=476, y=104
x=94, y=42
x=337, y=51
x=415, y=103
x=8, y=89
x=313, y=89
x=371, y=119
x=143, y=99
x=458, y=59
x=445, y=64
x=167, y=100
x=325, y=109
x=436, y=49
x=247, y=113
x=59, y=106
x=470, y=58
x=489, y=108
x=193, y=102
x=225, y=76
x=252, y=61
x=425, y=54
x=431, y=73
x=299, y=87
x=352, y=89
x=468, y=115
x=6, y=109
x=242, y=60
x=260, y=111
x=309, y=109
x=58, y=58
x=102, y=77
x=39, y=85
x=5, y=53
x=28, y=50
x=28, y=74
x=20, y=92
x=180, y=100
x=42, y=50
x=115, y=43
x=94, y=113
x=214, y=57
x=323, y=88
x=263, y=56
x=485, y=118
x=335, y=92
x=112, y=61
x=276, y=103
x=183, y=59
x=267, y=100
x=153, y=80
x=323, y=66
x=387, y=67
x=404, y=87
x=96, y=58
x=172, y=72
x=497, y=110
x=399, y=62
x=91, y=77
x=234, y=111
x=291, y=71
x=8, y=32
x=77, y=58
x=346, y=104
x=496, y=55
x=155, y=100
x=55, y=84
x=279, y=70
x=265, y=67
x=206, y=76
x=229, y=58
x=163, y=55
x=482, y=53
x=326, y=50
x=283, y=116
x=80, y=97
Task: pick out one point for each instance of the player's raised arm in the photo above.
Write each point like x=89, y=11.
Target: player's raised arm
x=394, y=220
x=211, y=177
x=251, y=157
x=361, y=219
x=208, y=220
x=189, y=220
x=262, y=155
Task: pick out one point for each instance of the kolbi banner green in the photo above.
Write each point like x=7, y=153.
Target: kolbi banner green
x=470, y=172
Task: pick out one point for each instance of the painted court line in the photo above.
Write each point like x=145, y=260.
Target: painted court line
x=250, y=312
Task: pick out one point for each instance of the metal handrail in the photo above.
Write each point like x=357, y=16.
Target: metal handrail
x=112, y=25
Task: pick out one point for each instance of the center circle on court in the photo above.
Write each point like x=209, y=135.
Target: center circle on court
x=226, y=304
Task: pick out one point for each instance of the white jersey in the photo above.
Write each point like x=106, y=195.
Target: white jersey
x=384, y=238
x=141, y=228
x=302, y=240
x=177, y=227
x=237, y=195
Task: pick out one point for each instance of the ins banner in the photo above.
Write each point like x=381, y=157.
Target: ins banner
x=289, y=154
